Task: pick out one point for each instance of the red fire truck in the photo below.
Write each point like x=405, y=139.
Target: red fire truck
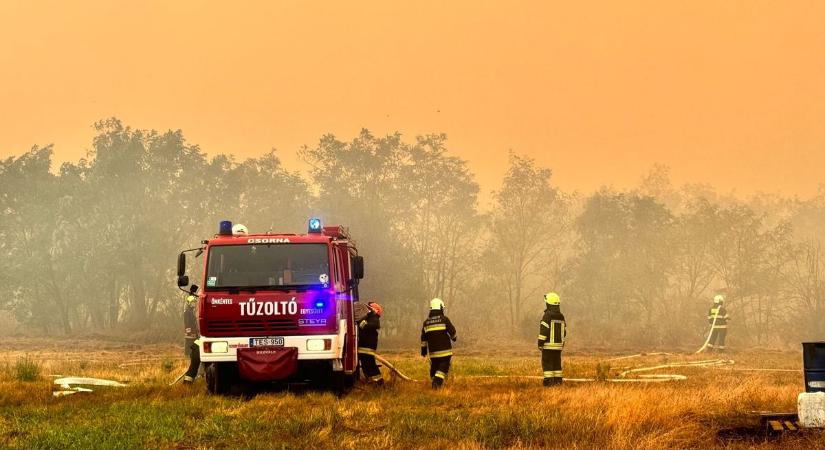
x=277, y=307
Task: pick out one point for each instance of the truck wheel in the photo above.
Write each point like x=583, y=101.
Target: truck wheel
x=219, y=378
x=342, y=383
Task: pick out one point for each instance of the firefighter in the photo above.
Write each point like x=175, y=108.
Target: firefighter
x=368, y=343
x=437, y=336
x=552, y=334
x=190, y=322
x=718, y=319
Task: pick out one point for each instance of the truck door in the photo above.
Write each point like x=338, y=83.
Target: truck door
x=345, y=298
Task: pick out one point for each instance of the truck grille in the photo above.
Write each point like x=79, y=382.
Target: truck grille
x=250, y=327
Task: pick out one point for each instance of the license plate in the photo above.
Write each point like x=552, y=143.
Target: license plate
x=266, y=342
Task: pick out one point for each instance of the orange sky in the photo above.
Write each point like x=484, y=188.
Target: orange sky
x=730, y=93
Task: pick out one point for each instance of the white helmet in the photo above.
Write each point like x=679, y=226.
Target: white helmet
x=718, y=298
x=239, y=229
x=437, y=303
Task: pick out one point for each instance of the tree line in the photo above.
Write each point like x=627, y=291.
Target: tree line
x=90, y=246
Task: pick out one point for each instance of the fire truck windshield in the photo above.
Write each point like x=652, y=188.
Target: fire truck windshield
x=267, y=266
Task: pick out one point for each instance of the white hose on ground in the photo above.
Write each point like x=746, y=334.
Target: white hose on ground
x=638, y=355
x=710, y=333
x=706, y=363
x=753, y=369
x=68, y=385
x=67, y=382
x=177, y=379
x=622, y=378
x=386, y=363
x=642, y=378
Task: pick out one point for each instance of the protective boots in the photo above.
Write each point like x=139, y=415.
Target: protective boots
x=554, y=381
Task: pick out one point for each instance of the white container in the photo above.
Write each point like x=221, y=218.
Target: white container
x=811, y=407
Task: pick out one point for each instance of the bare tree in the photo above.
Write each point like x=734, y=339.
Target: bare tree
x=528, y=214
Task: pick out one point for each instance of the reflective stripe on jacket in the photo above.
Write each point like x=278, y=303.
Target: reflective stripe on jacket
x=437, y=335
x=552, y=329
x=721, y=315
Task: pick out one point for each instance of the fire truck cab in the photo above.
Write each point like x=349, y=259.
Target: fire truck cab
x=277, y=307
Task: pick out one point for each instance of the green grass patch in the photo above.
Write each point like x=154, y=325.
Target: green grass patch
x=26, y=369
x=477, y=369
x=468, y=413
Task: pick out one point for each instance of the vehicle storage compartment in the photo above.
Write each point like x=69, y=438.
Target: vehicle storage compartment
x=267, y=363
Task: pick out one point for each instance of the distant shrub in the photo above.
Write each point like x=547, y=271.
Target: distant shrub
x=602, y=371
x=26, y=369
x=167, y=365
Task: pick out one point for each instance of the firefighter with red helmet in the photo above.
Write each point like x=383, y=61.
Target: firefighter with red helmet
x=368, y=327
x=437, y=336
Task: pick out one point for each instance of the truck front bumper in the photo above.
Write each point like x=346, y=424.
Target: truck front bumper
x=306, y=346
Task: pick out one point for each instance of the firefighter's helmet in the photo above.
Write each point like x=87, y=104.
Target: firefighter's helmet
x=376, y=308
x=437, y=303
x=551, y=298
x=239, y=229
x=191, y=299
x=718, y=299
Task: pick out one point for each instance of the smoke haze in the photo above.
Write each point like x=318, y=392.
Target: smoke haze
x=727, y=94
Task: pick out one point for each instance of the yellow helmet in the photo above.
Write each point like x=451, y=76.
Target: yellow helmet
x=718, y=299
x=436, y=303
x=551, y=298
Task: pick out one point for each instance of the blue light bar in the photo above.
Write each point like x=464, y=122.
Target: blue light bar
x=225, y=228
x=314, y=225
x=319, y=304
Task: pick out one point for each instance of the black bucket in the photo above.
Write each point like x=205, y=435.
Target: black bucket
x=813, y=359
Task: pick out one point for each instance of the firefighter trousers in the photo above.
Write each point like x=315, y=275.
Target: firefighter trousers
x=551, y=366
x=194, y=361
x=371, y=371
x=717, y=339
x=439, y=368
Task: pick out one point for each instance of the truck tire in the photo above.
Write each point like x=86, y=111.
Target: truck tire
x=342, y=383
x=219, y=378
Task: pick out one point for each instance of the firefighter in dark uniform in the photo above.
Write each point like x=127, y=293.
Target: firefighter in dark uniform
x=437, y=336
x=368, y=343
x=718, y=319
x=552, y=333
x=190, y=322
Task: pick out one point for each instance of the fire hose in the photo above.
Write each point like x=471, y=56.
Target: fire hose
x=622, y=378
x=387, y=364
x=645, y=378
x=710, y=333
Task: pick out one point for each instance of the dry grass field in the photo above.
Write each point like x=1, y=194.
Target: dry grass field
x=482, y=407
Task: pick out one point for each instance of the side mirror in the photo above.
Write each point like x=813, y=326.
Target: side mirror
x=181, y=265
x=183, y=280
x=193, y=289
x=358, y=267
